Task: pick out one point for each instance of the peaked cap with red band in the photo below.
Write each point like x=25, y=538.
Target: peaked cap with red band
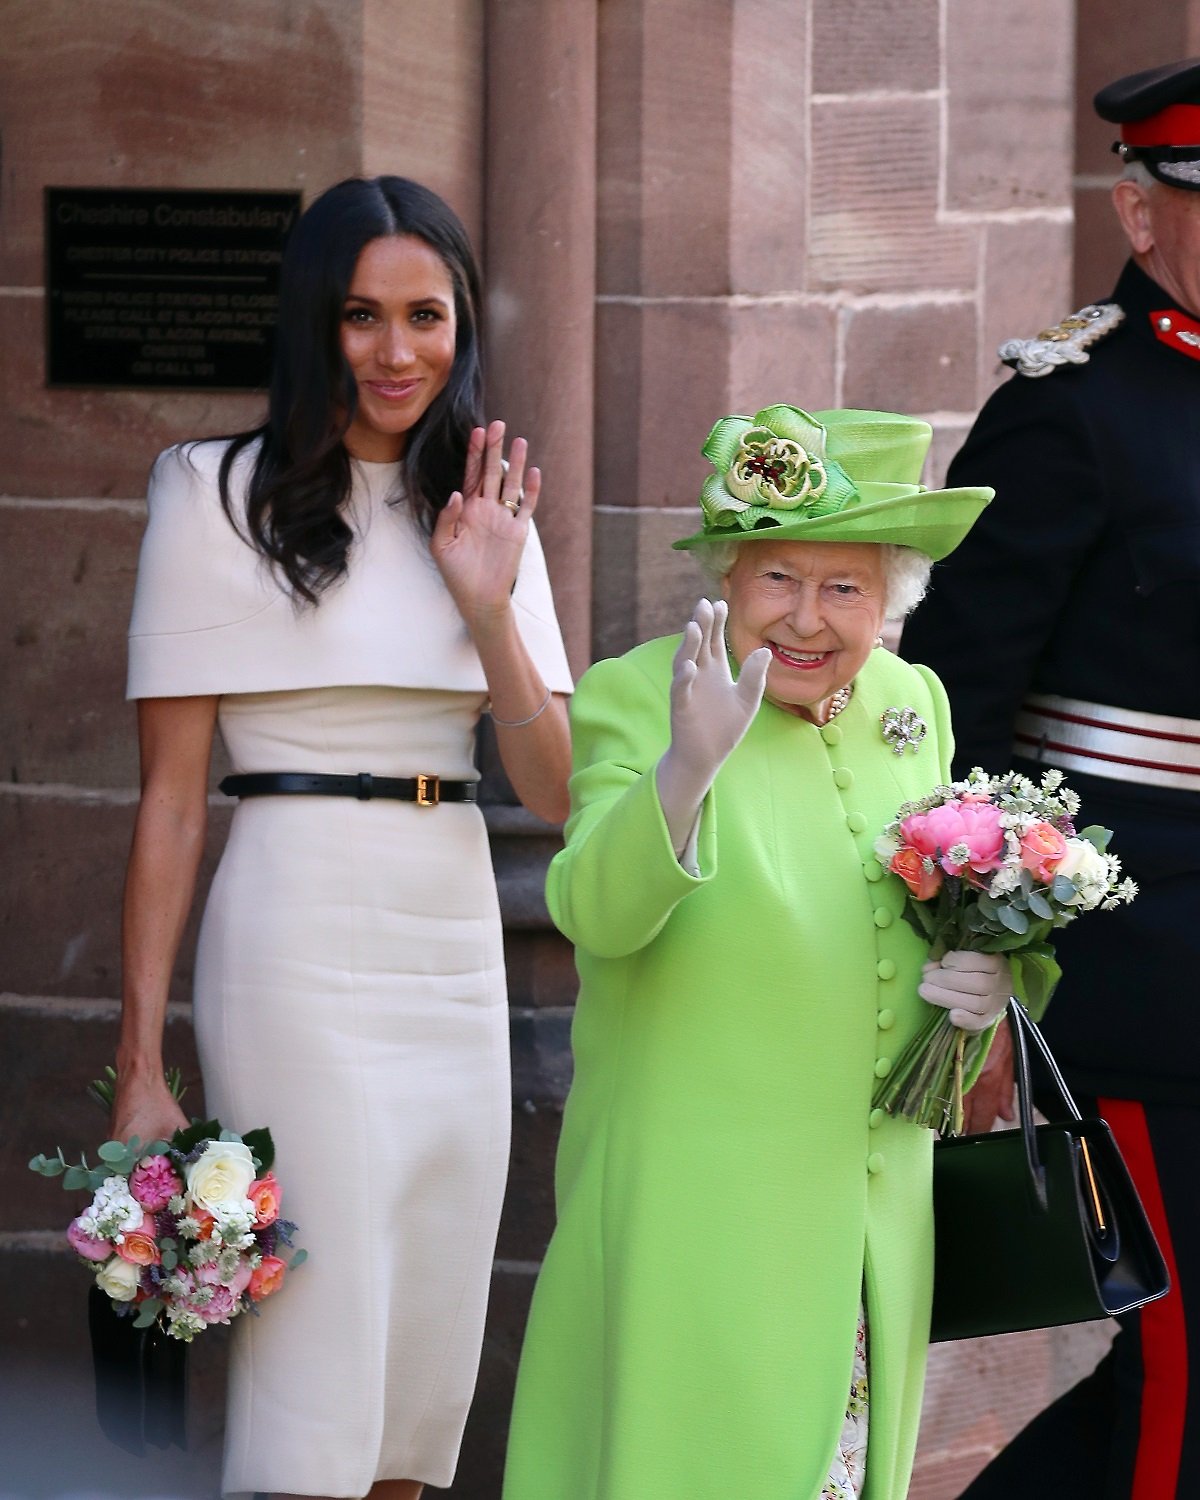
x=1159, y=115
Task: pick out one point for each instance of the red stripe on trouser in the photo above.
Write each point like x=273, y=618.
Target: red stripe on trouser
x=1164, y=1333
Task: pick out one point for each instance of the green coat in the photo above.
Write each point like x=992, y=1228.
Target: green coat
x=724, y=1188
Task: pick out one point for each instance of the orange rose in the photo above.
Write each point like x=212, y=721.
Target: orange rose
x=138, y=1248
x=266, y=1197
x=267, y=1278
x=205, y=1221
x=1042, y=850
x=920, y=874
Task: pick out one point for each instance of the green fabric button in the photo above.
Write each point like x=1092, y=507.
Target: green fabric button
x=843, y=777
x=856, y=822
x=875, y=1163
x=831, y=734
x=876, y=1118
x=873, y=870
x=886, y=968
x=883, y=1066
x=886, y=1019
x=883, y=917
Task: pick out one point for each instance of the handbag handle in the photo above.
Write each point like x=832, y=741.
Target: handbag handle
x=1024, y=1029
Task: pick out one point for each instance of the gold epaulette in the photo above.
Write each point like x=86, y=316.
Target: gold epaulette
x=1066, y=343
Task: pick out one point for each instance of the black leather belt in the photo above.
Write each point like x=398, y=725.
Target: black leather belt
x=424, y=790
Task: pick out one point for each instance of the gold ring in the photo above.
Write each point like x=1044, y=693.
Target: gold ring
x=513, y=505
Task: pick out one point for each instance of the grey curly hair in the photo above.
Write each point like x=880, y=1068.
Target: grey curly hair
x=905, y=570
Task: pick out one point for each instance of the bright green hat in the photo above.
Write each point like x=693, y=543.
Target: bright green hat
x=834, y=476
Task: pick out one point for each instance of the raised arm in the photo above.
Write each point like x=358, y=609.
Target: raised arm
x=175, y=740
x=477, y=544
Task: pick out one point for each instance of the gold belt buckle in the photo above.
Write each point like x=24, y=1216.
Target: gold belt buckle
x=429, y=790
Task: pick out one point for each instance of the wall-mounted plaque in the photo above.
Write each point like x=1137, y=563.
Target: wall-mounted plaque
x=163, y=288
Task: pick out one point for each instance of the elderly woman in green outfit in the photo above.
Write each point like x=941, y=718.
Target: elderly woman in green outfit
x=737, y=1293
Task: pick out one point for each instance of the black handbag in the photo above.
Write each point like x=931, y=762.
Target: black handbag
x=1037, y=1226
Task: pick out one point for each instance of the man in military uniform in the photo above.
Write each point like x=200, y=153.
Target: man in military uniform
x=1067, y=631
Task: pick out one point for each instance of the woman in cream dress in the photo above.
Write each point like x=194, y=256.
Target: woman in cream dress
x=319, y=590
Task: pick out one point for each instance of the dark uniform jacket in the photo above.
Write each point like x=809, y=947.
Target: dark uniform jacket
x=1082, y=579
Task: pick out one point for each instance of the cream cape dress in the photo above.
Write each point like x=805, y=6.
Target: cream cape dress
x=350, y=989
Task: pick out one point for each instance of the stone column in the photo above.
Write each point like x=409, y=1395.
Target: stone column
x=540, y=268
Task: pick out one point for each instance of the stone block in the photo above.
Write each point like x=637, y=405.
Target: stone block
x=980, y=1392
x=664, y=147
x=1101, y=248
x=92, y=443
x=1026, y=285
x=446, y=94
x=60, y=903
x=528, y=1218
x=1107, y=47
x=860, y=45
x=948, y=437
x=781, y=350
x=916, y=359
x=541, y=969
x=769, y=148
x=68, y=575
x=263, y=96
x=873, y=224
x=482, y=1462
x=63, y=1045
x=643, y=588
x=1010, y=104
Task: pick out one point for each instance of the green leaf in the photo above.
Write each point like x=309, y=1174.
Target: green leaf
x=169, y=1259
x=988, y=906
x=148, y=1312
x=1096, y=835
x=187, y=1140
x=1039, y=906
x=1063, y=889
x=48, y=1166
x=1014, y=920
x=298, y=1259
x=113, y=1151
x=76, y=1177
x=1026, y=880
x=262, y=1147
x=1035, y=975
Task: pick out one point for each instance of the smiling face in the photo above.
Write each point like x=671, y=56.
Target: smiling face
x=818, y=607
x=398, y=336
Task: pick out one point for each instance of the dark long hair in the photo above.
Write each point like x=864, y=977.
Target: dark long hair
x=301, y=473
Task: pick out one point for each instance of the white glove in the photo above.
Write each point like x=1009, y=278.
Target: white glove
x=709, y=715
x=973, y=987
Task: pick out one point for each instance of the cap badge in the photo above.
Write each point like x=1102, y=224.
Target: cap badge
x=903, y=729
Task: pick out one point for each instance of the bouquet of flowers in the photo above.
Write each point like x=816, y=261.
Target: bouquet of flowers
x=993, y=864
x=182, y=1233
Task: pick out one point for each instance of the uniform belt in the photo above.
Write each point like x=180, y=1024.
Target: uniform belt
x=426, y=790
x=1122, y=743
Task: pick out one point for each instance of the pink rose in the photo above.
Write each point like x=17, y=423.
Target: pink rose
x=237, y=1283
x=220, y=1307
x=90, y=1246
x=1042, y=850
x=267, y=1198
x=918, y=872
x=971, y=828
x=154, y=1182
x=268, y=1278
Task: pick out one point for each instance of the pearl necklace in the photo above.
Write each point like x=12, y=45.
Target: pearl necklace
x=838, y=702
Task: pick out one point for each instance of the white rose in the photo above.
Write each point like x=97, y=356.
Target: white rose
x=1087, y=868
x=118, y=1279
x=224, y=1172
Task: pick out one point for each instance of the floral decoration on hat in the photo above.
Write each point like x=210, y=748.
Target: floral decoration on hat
x=773, y=462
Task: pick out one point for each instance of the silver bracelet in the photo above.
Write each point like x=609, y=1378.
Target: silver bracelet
x=519, y=723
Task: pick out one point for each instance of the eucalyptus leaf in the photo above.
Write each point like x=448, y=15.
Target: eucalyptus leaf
x=987, y=905
x=1026, y=880
x=148, y=1312
x=298, y=1259
x=48, y=1166
x=169, y=1259
x=1097, y=835
x=113, y=1151
x=1014, y=920
x=1039, y=906
x=76, y=1177
x=1063, y=889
